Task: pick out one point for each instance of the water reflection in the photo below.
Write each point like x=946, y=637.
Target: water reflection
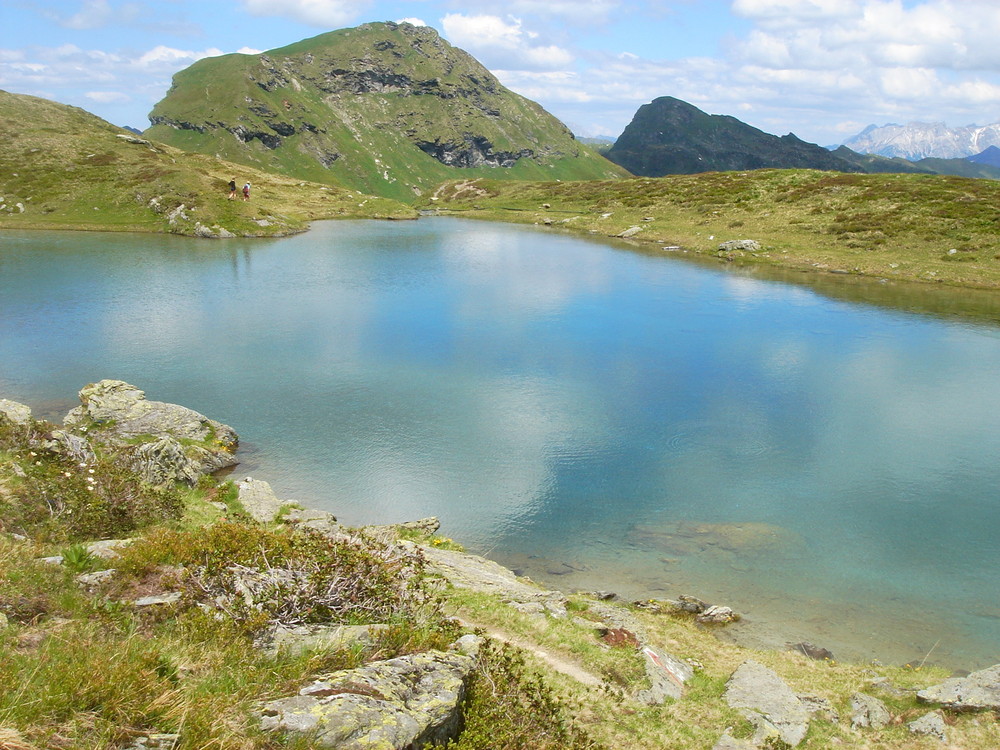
x=596, y=417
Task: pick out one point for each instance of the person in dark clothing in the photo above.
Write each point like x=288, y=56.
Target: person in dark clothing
x=232, y=189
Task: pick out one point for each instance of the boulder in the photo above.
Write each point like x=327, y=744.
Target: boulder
x=14, y=412
x=717, y=615
x=258, y=499
x=116, y=412
x=980, y=691
x=728, y=742
x=408, y=702
x=667, y=677
x=75, y=446
x=762, y=694
x=739, y=246
x=868, y=711
x=318, y=520
x=164, y=462
x=302, y=638
x=931, y=724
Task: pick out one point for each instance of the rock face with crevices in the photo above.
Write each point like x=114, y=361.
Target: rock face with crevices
x=408, y=702
x=768, y=702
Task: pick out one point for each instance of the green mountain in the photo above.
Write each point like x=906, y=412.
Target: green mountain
x=669, y=136
x=62, y=167
x=389, y=109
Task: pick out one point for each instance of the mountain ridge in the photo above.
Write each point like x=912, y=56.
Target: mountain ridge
x=922, y=140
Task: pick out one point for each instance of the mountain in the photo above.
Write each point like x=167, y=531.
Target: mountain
x=874, y=164
x=920, y=140
x=669, y=136
x=64, y=168
x=990, y=157
x=389, y=109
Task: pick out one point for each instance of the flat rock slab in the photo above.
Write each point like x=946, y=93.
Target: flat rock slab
x=14, y=412
x=297, y=640
x=401, y=703
x=258, y=499
x=667, y=676
x=932, y=725
x=759, y=690
x=479, y=574
x=868, y=711
x=980, y=691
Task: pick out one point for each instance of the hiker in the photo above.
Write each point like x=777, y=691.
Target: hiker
x=232, y=189
x=246, y=192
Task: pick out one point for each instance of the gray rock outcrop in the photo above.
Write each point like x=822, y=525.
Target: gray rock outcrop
x=302, y=638
x=768, y=703
x=980, y=691
x=739, y=246
x=258, y=499
x=408, y=702
x=931, y=724
x=868, y=711
x=115, y=412
x=14, y=412
x=667, y=677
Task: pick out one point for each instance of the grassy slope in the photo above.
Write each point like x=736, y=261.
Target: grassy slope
x=372, y=133
x=70, y=170
x=888, y=226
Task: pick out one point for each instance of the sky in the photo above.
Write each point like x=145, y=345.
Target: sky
x=822, y=69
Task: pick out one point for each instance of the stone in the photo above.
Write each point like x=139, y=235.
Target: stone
x=630, y=232
x=162, y=599
x=739, y=246
x=728, y=742
x=868, y=711
x=90, y=580
x=813, y=652
x=932, y=725
x=258, y=499
x=427, y=526
x=762, y=693
x=980, y=691
x=820, y=708
x=14, y=412
x=407, y=702
x=107, y=549
x=667, y=677
x=718, y=615
x=297, y=640
x=75, y=446
x=318, y=520
x=164, y=462
x=690, y=604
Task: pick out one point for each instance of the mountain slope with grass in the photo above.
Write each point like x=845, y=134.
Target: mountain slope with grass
x=895, y=226
x=388, y=109
x=64, y=168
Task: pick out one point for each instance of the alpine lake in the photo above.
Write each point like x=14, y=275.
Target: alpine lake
x=819, y=453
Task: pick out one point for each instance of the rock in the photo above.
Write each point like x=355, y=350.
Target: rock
x=14, y=412
x=258, y=499
x=690, y=604
x=980, y=691
x=630, y=232
x=76, y=447
x=469, y=644
x=728, y=742
x=107, y=549
x=132, y=139
x=296, y=640
x=427, y=526
x=739, y=246
x=813, y=652
x=154, y=601
x=319, y=520
x=820, y=708
x=160, y=740
x=868, y=711
x=406, y=702
x=762, y=693
x=604, y=596
x=117, y=412
x=718, y=615
x=90, y=580
x=165, y=461
x=667, y=676
x=620, y=638
x=931, y=724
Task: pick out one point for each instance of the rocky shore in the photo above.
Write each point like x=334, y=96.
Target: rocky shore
x=665, y=664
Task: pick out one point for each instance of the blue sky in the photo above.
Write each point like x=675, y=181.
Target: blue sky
x=823, y=69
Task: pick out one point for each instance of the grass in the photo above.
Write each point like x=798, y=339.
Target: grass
x=923, y=228
x=63, y=168
x=80, y=667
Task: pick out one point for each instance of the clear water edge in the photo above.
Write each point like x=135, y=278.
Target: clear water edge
x=593, y=417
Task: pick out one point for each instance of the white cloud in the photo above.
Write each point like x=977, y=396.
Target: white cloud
x=412, y=21
x=175, y=59
x=323, y=13
x=108, y=97
x=501, y=43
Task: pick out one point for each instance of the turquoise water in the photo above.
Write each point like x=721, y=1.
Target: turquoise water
x=593, y=416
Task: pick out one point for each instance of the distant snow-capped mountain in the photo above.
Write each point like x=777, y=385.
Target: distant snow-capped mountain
x=919, y=140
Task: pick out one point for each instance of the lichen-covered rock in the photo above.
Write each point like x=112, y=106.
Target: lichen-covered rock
x=408, y=702
x=932, y=725
x=302, y=638
x=164, y=462
x=76, y=447
x=868, y=711
x=115, y=412
x=14, y=412
x=980, y=691
x=667, y=677
x=739, y=246
x=258, y=499
x=718, y=615
x=761, y=692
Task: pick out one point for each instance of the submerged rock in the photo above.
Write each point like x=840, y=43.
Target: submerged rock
x=408, y=702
